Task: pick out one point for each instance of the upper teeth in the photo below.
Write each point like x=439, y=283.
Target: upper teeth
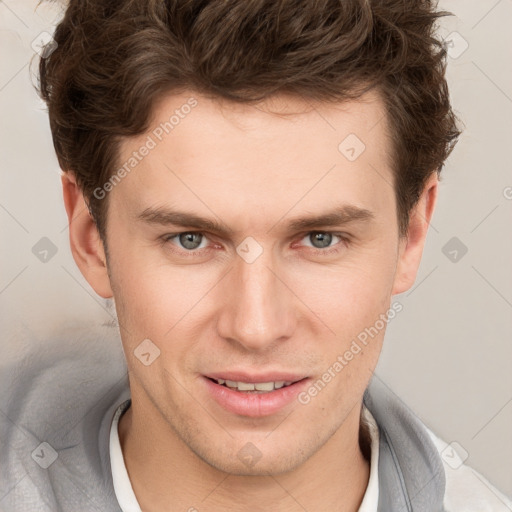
x=251, y=386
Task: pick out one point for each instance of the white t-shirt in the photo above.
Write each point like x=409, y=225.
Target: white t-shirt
x=128, y=502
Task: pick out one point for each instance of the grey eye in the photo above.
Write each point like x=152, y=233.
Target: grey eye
x=190, y=240
x=320, y=240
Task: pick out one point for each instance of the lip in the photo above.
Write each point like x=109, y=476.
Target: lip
x=254, y=405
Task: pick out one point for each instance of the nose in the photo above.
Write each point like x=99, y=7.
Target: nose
x=256, y=309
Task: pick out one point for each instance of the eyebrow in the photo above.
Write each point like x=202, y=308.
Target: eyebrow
x=339, y=216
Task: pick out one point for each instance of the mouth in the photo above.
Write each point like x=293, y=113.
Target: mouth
x=254, y=396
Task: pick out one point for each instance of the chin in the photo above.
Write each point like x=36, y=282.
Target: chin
x=249, y=461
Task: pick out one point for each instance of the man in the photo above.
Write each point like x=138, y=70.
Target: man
x=252, y=182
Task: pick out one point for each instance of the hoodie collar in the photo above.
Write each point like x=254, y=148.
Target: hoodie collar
x=411, y=474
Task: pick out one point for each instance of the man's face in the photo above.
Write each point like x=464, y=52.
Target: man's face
x=264, y=299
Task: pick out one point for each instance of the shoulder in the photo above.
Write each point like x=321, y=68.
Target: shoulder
x=57, y=401
x=466, y=489
x=421, y=458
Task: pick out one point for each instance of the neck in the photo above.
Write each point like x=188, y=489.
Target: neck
x=167, y=475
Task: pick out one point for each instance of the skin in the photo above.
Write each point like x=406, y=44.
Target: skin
x=295, y=308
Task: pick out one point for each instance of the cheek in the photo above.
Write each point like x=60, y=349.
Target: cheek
x=354, y=302
x=355, y=305
x=350, y=296
x=155, y=300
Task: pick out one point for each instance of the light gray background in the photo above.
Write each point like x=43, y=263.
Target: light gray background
x=447, y=354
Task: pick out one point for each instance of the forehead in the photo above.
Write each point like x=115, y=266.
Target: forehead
x=283, y=119
x=286, y=152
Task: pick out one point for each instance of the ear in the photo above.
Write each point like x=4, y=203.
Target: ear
x=84, y=238
x=411, y=246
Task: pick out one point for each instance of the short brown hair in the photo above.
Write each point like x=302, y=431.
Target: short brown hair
x=116, y=59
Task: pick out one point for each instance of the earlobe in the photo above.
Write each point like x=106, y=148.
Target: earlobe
x=84, y=238
x=411, y=247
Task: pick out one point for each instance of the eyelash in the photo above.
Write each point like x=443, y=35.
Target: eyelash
x=344, y=240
